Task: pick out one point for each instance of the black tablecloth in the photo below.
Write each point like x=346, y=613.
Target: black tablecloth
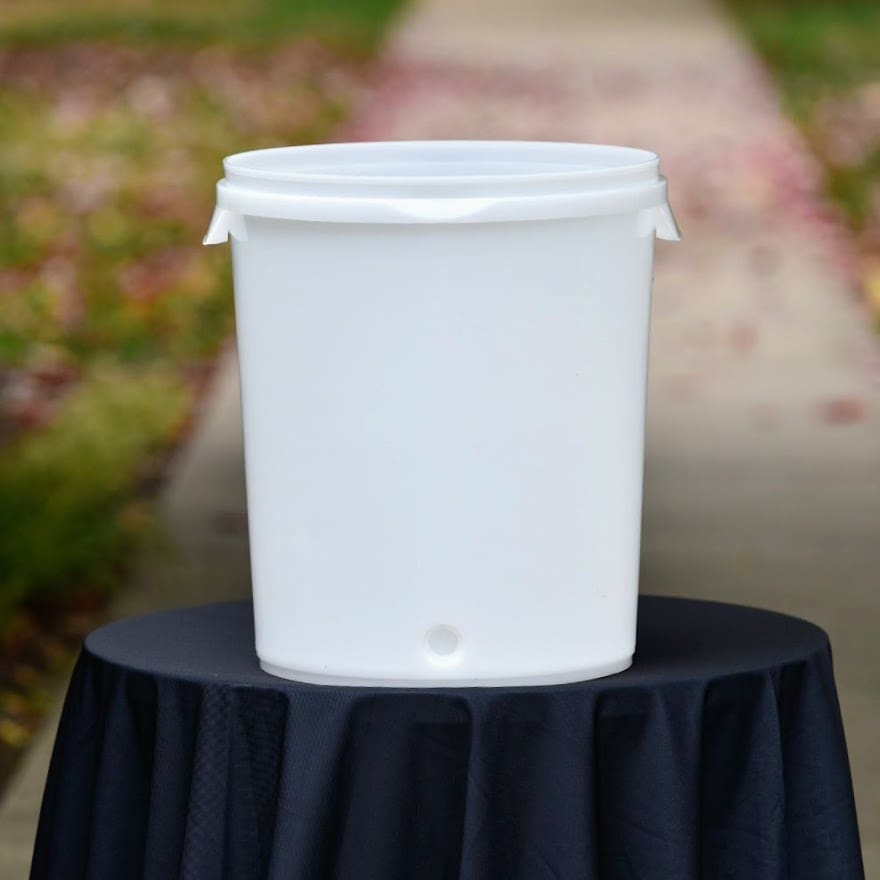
x=718, y=755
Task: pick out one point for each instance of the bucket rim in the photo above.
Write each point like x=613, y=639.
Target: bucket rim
x=472, y=182
x=551, y=161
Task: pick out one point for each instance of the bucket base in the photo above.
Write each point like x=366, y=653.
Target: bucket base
x=564, y=677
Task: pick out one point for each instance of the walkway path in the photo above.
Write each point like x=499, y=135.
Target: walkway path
x=763, y=478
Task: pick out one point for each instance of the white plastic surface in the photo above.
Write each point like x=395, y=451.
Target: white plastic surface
x=444, y=420
x=439, y=182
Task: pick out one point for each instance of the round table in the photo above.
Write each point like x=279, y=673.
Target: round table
x=720, y=755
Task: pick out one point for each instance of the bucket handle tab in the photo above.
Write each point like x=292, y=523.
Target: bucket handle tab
x=659, y=220
x=224, y=223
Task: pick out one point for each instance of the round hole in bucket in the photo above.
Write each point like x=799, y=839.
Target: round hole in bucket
x=443, y=643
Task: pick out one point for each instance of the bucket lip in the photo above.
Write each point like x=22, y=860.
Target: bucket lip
x=557, y=165
x=474, y=182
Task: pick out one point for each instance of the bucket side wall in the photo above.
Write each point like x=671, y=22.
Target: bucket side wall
x=458, y=411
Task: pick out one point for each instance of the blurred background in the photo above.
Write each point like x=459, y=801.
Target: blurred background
x=121, y=487
x=114, y=118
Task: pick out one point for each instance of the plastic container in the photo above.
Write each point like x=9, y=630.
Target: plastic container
x=443, y=352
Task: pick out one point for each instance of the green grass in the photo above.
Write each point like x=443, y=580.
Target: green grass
x=815, y=46
x=69, y=511
x=355, y=25
x=114, y=118
x=825, y=55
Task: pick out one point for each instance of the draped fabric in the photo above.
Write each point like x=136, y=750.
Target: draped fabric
x=719, y=755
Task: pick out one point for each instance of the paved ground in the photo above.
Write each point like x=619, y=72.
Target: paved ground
x=763, y=477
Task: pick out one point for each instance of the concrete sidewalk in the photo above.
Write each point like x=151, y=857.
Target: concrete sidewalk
x=763, y=477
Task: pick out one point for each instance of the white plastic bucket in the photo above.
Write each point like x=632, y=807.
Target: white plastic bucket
x=443, y=351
